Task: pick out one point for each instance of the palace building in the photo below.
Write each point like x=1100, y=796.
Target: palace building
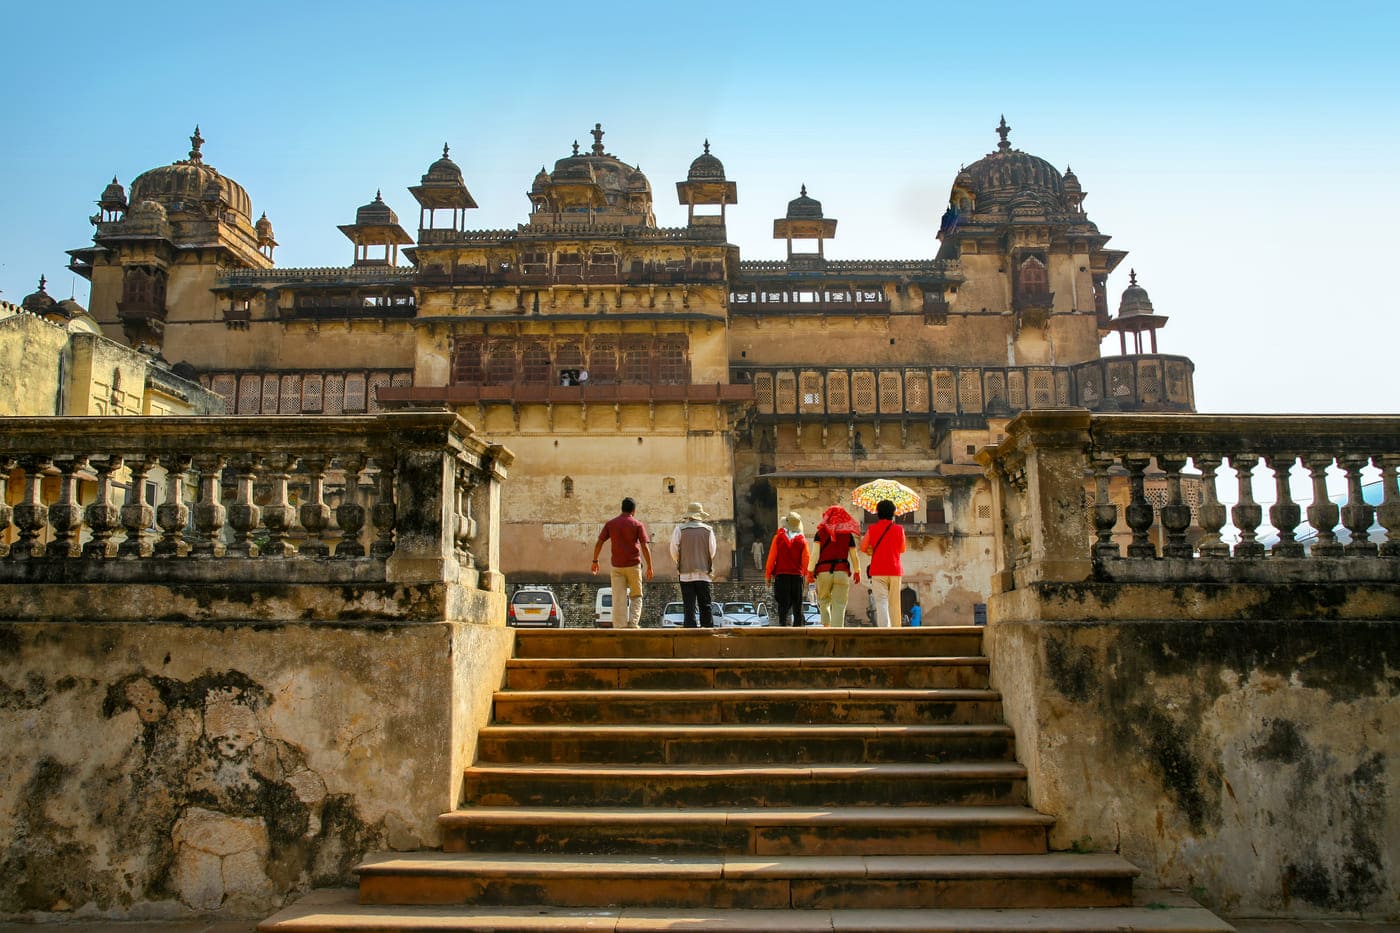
x=617, y=357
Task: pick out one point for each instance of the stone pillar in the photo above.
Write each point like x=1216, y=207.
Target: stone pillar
x=424, y=550
x=486, y=519
x=1056, y=447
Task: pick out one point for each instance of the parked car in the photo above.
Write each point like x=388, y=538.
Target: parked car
x=602, y=609
x=673, y=616
x=534, y=607
x=746, y=615
x=811, y=615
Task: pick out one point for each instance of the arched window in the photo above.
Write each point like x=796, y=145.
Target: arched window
x=668, y=485
x=1033, y=278
x=567, y=487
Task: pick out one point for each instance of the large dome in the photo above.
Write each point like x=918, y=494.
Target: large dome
x=613, y=177
x=183, y=185
x=1001, y=176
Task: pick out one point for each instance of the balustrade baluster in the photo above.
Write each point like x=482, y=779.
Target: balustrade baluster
x=1176, y=514
x=1105, y=513
x=1246, y=513
x=384, y=511
x=1388, y=513
x=103, y=517
x=31, y=516
x=6, y=465
x=315, y=515
x=465, y=527
x=1212, y=511
x=350, y=514
x=1284, y=514
x=1139, y=512
x=1323, y=512
x=1357, y=515
x=277, y=515
x=244, y=514
x=66, y=515
x=172, y=514
x=136, y=515
x=209, y=512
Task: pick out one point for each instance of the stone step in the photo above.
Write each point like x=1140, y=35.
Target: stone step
x=339, y=911
x=1000, y=783
x=933, y=706
x=929, y=641
x=744, y=673
x=744, y=744
x=750, y=882
x=985, y=830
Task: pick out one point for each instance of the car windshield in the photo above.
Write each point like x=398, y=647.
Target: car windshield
x=673, y=608
x=535, y=598
x=739, y=607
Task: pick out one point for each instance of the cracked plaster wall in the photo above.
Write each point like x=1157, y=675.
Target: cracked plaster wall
x=1254, y=764
x=169, y=769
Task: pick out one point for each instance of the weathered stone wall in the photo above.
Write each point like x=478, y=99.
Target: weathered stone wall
x=168, y=768
x=1252, y=763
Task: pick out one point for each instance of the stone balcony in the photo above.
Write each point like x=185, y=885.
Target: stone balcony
x=1070, y=487
x=387, y=516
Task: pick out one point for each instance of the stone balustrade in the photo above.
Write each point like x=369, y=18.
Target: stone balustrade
x=405, y=498
x=1119, y=498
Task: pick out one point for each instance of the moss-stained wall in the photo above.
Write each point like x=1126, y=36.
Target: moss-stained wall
x=1255, y=764
x=154, y=768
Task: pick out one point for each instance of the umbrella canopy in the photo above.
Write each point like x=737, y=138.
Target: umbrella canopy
x=869, y=495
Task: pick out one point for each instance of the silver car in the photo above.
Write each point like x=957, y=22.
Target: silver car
x=746, y=615
x=673, y=616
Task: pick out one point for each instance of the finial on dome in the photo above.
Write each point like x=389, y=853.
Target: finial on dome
x=804, y=190
x=707, y=147
x=576, y=147
x=444, y=150
x=1003, y=131
x=196, y=141
x=597, y=133
x=378, y=195
x=42, y=282
x=1132, y=277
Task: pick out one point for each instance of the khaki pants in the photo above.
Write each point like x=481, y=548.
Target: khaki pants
x=833, y=591
x=627, y=596
x=882, y=589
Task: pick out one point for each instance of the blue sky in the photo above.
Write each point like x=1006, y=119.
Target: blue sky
x=1244, y=154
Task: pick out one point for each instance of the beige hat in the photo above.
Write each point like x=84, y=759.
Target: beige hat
x=695, y=512
x=793, y=523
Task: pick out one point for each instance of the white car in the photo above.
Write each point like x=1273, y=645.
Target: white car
x=673, y=616
x=534, y=607
x=746, y=615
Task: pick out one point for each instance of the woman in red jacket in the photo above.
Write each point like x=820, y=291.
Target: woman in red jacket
x=884, y=542
x=787, y=569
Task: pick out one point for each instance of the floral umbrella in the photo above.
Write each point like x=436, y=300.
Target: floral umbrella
x=869, y=495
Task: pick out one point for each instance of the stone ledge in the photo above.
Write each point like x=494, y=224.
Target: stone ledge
x=250, y=602
x=1109, y=602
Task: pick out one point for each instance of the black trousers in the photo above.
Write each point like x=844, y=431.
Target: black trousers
x=693, y=591
x=787, y=596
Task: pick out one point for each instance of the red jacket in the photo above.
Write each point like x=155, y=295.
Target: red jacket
x=787, y=555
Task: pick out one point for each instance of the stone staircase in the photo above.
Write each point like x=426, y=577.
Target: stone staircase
x=795, y=780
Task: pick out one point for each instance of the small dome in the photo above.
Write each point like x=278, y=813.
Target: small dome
x=1071, y=182
x=376, y=212
x=804, y=208
x=443, y=171
x=706, y=167
x=541, y=181
x=638, y=182
x=1135, y=300
x=113, y=197
x=40, y=301
x=263, y=226
x=1002, y=176
x=191, y=180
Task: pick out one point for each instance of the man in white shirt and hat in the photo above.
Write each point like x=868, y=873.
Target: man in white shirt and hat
x=693, y=548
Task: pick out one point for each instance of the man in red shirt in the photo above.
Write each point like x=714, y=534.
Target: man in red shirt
x=630, y=543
